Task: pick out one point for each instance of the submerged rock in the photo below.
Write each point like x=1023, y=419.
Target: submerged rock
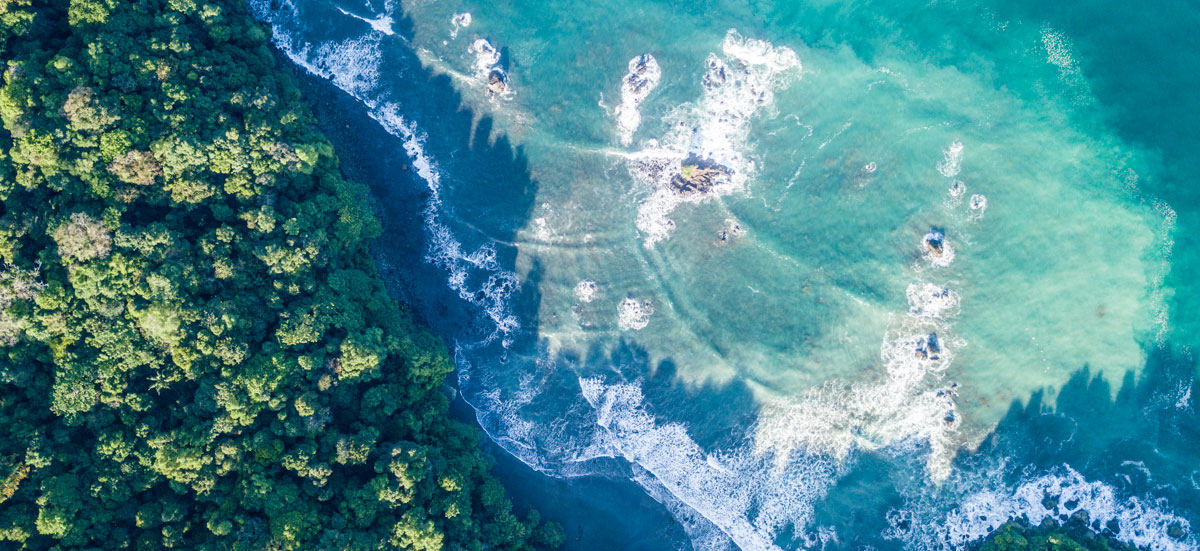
x=698, y=175
x=731, y=230
x=1176, y=532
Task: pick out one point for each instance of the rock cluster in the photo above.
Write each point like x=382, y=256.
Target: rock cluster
x=643, y=75
x=928, y=348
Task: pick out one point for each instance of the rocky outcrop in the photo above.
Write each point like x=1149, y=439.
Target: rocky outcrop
x=928, y=348
x=935, y=243
x=698, y=175
x=497, y=81
x=643, y=76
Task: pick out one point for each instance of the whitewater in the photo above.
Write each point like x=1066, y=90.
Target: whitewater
x=805, y=294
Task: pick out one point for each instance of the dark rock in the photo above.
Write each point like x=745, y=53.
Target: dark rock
x=497, y=81
x=730, y=231
x=1176, y=532
x=716, y=74
x=935, y=242
x=928, y=348
x=637, y=80
x=698, y=175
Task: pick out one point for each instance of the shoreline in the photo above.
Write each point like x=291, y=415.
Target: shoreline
x=594, y=511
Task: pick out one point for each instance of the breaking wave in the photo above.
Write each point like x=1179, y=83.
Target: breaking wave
x=637, y=84
x=713, y=132
x=353, y=66
x=751, y=494
x=458, y=22
x=985, y=503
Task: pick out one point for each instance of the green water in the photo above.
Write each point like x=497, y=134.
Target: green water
x=936, y=281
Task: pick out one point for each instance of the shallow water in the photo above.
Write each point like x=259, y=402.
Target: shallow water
x=933, y=283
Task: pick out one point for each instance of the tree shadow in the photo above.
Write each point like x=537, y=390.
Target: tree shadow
x=1151, y=426
x=486, y=190
x=487, y=195
x=718, y=415
x=1144, y=441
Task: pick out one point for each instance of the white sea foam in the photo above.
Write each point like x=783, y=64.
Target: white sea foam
x=936, y=249
x=1059, y=52
x=458, y=22
x=927, y=300
x=951, y=160
x=353, y=66
x=634, y=314
x=737, y=85
x=988, y=503
x=701, y=532
x=486, y=56
x=444, y=249
x=907, y=401
x=720, y=487
x=487, y=69
x=749, y=498
x=586, y=290
x=541, y=229
x=643, y=76
x=1162, y=310
x=978, y=204
x=383, y=23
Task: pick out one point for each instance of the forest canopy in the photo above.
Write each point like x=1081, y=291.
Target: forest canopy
x=196, y=349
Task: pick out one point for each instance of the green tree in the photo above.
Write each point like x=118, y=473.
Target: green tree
x=196, y=350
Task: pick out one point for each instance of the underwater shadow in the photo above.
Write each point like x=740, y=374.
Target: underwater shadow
x=717, y=415
x=487, y=195
x=1144, y=440
x=487, y=192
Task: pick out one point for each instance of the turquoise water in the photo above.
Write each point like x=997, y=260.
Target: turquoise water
x=938, y=276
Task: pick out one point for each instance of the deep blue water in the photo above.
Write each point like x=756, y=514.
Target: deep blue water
x=942, y=277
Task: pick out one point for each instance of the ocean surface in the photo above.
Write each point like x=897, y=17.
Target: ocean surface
x=810, y=274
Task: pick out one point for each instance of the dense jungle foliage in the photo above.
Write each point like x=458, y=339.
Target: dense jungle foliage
x=196, y=350
x=1048, y=536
